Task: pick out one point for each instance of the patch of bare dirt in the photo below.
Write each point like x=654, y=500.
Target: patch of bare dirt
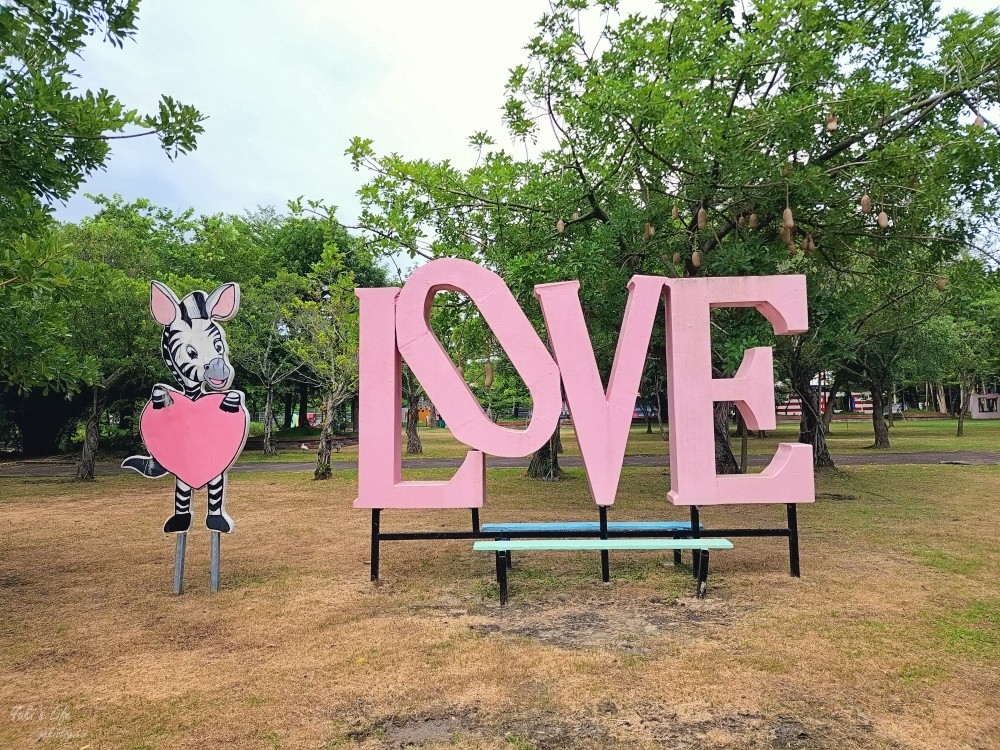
x=614, y=623
x=752, y=730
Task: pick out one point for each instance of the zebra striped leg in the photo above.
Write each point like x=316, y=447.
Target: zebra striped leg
x=180, y=522
x=218, y=519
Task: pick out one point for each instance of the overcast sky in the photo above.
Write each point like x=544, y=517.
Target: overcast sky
x=286, y=85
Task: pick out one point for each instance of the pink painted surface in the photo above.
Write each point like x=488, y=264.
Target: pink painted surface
x=195, y=441
x=601, y=419
x=162, y=303
x=380, y=482
x=692, y=391
x=443, y=383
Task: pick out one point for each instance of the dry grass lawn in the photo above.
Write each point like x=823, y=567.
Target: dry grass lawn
x=890, y=640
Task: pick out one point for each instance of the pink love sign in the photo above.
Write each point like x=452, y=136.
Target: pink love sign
x=395, y=325
x=195, y=440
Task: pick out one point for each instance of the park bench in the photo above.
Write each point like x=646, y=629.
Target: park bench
x=503, y=547
x=677, y=529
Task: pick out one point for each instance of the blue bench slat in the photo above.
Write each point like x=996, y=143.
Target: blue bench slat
x=525, y=545
x=579, y=526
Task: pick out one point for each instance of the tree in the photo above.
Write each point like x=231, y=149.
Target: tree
x=260, y=338
x=412, y=392
x=52, y=134
x=712, y=140
x=38, y=277
x=115, y=329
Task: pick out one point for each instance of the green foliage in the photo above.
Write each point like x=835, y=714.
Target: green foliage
x=738, y=113
x=53, y=134
x=39, y=280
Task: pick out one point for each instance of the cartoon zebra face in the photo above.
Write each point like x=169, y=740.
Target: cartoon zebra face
x=194, y=346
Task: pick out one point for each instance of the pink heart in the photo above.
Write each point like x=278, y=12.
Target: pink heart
x=195, y=441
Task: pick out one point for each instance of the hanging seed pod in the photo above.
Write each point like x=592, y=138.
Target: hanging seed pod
x=808, y=246
x=980, y=121
x=753, y=222
x=740, y=221
x=702, y=218
x=488, y=379
x=831, y=123
x=677, y=259
x=648, y=232
x=786, y=171
x=675, y=213
x=575, y=216
x=560, y=226
x=941, y=284
x=784, y=234
x=914, y=181
x=461, y=371
x=883, y=219
x=696, y=259
x=866, y=204
x=787, y=218
x=793, y=249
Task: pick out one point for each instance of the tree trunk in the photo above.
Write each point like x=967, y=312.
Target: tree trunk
x=545, y=461
x=725, y=461
x=289, y=403
x=303, y=405
x=878, y=417
x=270, y=449
x=323, y=470
x=647, y=412
x=942, y=403
x=413, y=444
x=828, y=411
x=811, y=429
x=355, y=402
x=963, y=405
x=92, y=432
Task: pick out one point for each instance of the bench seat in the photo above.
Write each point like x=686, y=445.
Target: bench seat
x=501, y=547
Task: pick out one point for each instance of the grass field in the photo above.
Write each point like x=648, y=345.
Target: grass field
x=891, y=639
x=854, y=437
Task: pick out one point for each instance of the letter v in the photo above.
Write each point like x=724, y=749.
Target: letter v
x=601, y=420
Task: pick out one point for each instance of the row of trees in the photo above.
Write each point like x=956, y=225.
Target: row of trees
x=850, y=142
x=846, y=141
x=296, y=329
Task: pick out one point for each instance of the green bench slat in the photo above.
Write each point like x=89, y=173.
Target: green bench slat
x=514, y=545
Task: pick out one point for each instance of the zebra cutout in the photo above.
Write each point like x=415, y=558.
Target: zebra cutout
x=195, y=433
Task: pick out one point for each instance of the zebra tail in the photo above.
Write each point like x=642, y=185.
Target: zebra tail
x=146, y=465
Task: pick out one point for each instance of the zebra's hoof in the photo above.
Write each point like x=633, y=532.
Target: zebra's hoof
x=177, y=524
x=218, y=523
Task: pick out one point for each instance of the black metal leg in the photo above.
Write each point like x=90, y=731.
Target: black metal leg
x=605, y=557
x=510, y=557
x=793, y=541
x=702, y=574
x=375, y=540
x=502, y=576
x=677, y=557
x=695, y=534
x=475, y=520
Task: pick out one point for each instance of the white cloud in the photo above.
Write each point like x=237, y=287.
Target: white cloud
x=286, y=85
